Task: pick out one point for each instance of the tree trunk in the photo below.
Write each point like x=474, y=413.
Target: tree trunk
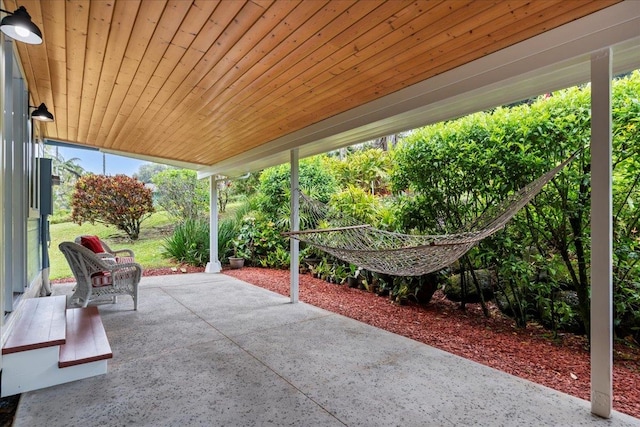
x=483, y=304
x=582, y=287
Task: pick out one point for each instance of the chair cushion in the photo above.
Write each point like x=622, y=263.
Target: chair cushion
x=101, y=278
x=125, y=259
x=92, y=243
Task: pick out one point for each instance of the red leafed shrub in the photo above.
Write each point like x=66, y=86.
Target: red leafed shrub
x=112, y=200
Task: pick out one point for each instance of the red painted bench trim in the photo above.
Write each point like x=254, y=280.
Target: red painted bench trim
x=41, y=324
x=86, y=338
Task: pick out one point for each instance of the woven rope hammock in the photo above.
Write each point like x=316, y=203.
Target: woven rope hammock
x=406, y=254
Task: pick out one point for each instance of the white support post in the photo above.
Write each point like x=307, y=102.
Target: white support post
x=295, y=226
x=7, y=180
x=20, y=191
x=213, y=266
x=601, y=236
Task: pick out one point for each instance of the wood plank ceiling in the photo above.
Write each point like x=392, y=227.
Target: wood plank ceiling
x=201, y=81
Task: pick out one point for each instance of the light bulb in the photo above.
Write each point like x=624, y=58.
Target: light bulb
x=22, y=32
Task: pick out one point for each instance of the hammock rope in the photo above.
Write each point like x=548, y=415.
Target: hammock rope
x=406, y=254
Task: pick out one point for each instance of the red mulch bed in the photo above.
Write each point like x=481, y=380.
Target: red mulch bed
x=163, y=271
x=562, y=364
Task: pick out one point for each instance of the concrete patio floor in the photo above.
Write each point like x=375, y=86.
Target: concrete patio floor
x=210, y=350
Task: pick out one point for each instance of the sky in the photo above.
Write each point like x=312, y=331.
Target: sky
x=91, y=161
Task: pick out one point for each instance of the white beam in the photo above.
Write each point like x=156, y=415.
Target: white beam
x=20, y=180
x=213, y=266
x=601, y=235
x=294, y=267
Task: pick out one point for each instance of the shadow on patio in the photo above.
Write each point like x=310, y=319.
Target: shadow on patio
x=211, y=350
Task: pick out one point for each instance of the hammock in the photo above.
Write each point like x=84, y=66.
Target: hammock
x=406, y=254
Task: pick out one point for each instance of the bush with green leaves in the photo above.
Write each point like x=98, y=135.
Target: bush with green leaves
x=275, y=193
x=182, y=194
x=68, y=171
x=357, y=203
x=60, y=216
x=449, y=174
x=626, y=206
x=457, y=171
x=367, y=169
x=230, y=230
x=246, y=186
x=262, y=242
x=119, y=200
x=147, y=171
x=227, y=232
x=189, y=242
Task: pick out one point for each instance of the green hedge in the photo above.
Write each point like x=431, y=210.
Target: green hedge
x=448, y=174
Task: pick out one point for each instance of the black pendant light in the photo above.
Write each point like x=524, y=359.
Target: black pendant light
x=42, y=113
x=18, y=26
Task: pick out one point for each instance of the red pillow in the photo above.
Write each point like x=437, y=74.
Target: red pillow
x=92, y=242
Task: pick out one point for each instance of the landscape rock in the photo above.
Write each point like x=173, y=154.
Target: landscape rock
x=486, y=280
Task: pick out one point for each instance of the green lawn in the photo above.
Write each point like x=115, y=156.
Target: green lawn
x=148, y=248
x=232, y=207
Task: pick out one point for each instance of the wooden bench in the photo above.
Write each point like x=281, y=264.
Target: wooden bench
x=51, y=345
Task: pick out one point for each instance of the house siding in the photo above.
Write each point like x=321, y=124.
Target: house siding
x=34, y=264
x=20, y=247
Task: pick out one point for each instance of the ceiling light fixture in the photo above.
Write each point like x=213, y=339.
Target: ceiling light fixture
x=18, y=26
x=41, y=113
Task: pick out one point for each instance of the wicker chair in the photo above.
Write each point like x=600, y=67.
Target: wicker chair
x=107, y=249
x=98, y=277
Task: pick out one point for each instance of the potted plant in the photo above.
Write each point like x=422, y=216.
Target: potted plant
x=340, y=274
x=321, y=270
x=240, y=253
x=311, y=256
x=352, y=278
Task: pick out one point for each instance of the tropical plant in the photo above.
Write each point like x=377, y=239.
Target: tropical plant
x=246, y=185
x=181, y=194
x=223, y=187
x=449, y=174
x=69, y=166
x=314, y=180
x=147, y=171
x=119, y=200
x=367, y=169
x=357, y=203
x=452, y=173
x=69, y=171
x=189, y=242
x=626, y=206
x=227, y=232
x=262, y=243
